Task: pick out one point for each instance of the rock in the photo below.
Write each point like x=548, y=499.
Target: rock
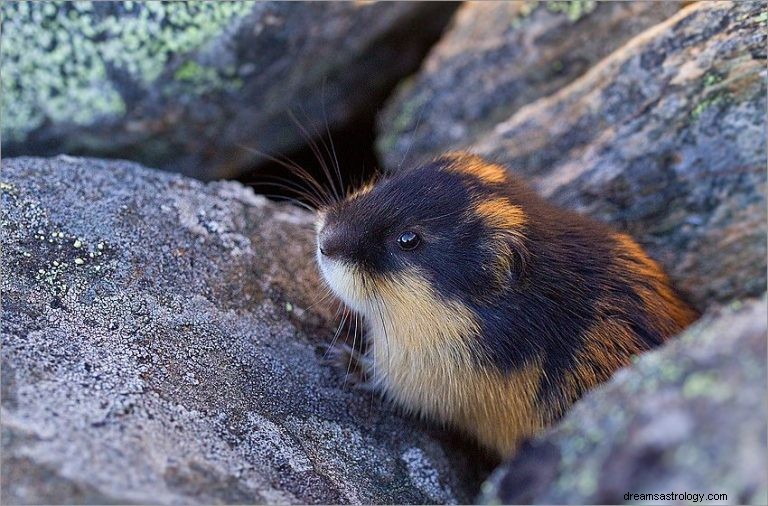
x=496, y=58
x=690, y=417
x=158, y=346
x=665, y=138
x=183, y=86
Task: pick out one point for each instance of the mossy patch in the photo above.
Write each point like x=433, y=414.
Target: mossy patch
x=711, y=78
x=199, y=78
x=59, y=59
x=710, y=101
x=574, y=10
x=711, y=97
x=701, y=384
x=408, y=113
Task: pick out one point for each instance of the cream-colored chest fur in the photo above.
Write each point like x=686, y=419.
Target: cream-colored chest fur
x=422, y=361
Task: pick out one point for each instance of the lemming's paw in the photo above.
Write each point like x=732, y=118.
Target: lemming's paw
x=354, y=365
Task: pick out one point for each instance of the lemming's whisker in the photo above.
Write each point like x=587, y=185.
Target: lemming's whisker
x=384, y=328
x=331, y=154
x=345, y=314
x=330, y=137
x=325, y=296
x=341, y=308
x=372, y=380
x=318, y=155
x=372, y=345
x=294, y=168
x=288, y=185
x=293, y=201
x=351, y=356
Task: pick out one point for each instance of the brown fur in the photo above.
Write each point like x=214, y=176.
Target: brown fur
x=654, y=287
x=424, y=362
x=428, y=346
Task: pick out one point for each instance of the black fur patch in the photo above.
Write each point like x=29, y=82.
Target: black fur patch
x=543, y=312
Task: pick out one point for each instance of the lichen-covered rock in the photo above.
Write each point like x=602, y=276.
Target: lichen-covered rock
x=496, y=58
x=158, y=347
x=665, y=138
x=182, y=85
x=690, y=417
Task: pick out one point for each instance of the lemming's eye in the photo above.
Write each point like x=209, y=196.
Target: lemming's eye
x=408, y=240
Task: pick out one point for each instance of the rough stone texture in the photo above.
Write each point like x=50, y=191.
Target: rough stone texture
x=690, y=417
x=666, y=138
x=183, y=85
x=157, y=347
x=498, y=57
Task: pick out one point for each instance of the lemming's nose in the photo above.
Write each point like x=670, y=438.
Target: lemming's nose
x=332, y=241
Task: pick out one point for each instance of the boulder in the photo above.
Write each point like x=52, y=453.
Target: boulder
x=184, y=86
x=161, y=343
x=666, y=139
x=688, y=418
x=497, y=57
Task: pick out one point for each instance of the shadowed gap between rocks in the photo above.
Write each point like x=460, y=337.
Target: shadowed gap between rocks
x=352, y=146
x=353, y=143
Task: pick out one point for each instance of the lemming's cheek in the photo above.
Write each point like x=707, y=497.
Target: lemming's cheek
x=344, y=282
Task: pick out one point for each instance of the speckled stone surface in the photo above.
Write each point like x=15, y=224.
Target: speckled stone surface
x=185, y=85
x=666, y=139
x=495, y=58
x=690, y=417
x=157, y=347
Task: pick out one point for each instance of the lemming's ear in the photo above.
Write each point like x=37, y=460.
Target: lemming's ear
x=510, y=257
x=506, y=223
x=515, y=253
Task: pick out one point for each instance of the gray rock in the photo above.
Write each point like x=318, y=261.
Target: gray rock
x=690, y=417
x=158, y=346
x=498, y=57
x=665, y=138
x=182, y=86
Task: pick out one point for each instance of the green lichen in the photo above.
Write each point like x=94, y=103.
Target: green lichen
x=705, y=385
x=712, y=78
x=527, y=7
x=58, y=57
x=712, y=97
x=670, y=372
x=587, y=483
x=575, y=9
x=706, y=104
x=198, y=78
x=189, y=71
x=408, y=112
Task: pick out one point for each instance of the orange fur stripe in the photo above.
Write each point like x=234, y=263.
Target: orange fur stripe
x=474, y=165
x=500, y=213
x=654, y=288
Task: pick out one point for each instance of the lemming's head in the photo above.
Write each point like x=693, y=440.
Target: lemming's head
x=450, y=229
